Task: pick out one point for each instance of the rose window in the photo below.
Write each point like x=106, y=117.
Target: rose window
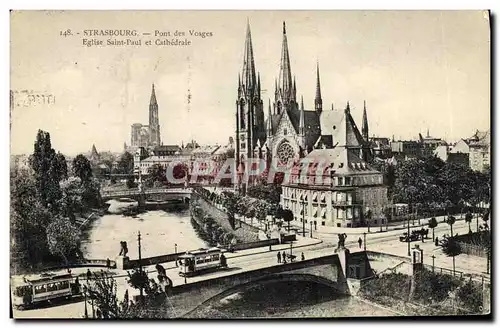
x=285, y=152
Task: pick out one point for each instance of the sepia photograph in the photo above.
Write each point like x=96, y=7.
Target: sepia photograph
x=250, y=164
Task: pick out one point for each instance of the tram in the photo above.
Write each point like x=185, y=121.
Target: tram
x=31, y=290
x=201, y=260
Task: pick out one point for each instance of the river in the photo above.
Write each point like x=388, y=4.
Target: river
x=160, y=231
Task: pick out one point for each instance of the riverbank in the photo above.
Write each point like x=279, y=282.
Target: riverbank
x=243, y=234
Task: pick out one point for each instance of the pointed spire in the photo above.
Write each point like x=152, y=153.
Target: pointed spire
x=428, y=135
x=302, y=122
x=364, y=128
x=301, y=102
x=318, y=102
x=294, y=88
x=348, y=108
x=285, y=76
x=153, y=96
x=258, y=83
x=269, y=120
x=248, y=75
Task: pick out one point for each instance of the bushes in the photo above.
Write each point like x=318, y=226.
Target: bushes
x=431, y=289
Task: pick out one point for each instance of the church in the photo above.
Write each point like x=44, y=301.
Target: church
x=290, y=131
x=349, y=193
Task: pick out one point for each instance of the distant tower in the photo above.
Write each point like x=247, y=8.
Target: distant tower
x=154, y=121
x=250, y=129
x=367, y=151
x=318, y=102
x=364, y=128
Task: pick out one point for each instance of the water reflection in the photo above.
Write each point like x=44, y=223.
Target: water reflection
x=160, y=231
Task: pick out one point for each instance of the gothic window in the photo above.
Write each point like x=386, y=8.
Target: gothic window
x=243, y=145
x=285, y=152
x=285, y=132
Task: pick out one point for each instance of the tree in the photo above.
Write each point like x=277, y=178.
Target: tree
x=450, y=220
x=156, y=173
x=468, y=219
x=72, y=197
x=452, y=248
x=29, y=219
x=433, y=223
x=48, y=170
x=126, y=163
x=63, y=237
x=82, y=168
x=287, y=216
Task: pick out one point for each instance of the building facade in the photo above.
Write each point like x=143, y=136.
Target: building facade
x=336, y=186
x=480, y=149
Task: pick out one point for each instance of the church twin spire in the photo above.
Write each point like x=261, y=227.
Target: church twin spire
x=250, y=84
x=285, y=83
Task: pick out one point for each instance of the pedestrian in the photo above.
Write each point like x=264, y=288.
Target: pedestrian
x=436, y=241
x=283, y=256
x=279, y=257
x=89, y=274
x=360, y=242
x=302, y=257
x=108, y=263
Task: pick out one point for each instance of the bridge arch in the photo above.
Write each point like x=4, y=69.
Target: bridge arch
x=269, y=279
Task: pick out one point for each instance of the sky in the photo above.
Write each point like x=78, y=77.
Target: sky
x=416, y=70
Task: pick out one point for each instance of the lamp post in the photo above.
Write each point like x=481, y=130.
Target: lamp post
x=433, y=257
x=85, y=301
x=175, y=245
x=291, y=244
x=408, y=236
x=311, y=229
x=303, y=219
x=364, y=241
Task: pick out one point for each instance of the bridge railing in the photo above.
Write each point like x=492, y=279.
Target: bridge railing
x=130, y=192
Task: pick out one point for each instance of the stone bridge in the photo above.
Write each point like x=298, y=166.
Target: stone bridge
x=328, y=271
x=150, y=193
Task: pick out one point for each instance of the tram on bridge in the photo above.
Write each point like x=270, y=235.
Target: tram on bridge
x=32, y=290
x=202, y=260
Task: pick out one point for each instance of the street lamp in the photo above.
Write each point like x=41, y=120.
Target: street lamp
x=311, y=229
x=433, y=257
x=303, y=219
x=175, y=245
x=364, y=241
x=85, y=301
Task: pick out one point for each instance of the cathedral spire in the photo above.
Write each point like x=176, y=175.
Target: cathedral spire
x=318, y=102
x=348, y=108
x=301, y=102
x=153, y=96
x=269, y=121
x=285, y=76
x=364, y=128
x=248, y=75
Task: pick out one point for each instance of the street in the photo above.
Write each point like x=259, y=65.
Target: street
x=241, y=261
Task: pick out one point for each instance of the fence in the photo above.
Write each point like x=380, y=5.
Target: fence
x=82, y=263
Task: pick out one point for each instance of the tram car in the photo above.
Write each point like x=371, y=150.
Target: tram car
x=201, y=260
x=29, y=291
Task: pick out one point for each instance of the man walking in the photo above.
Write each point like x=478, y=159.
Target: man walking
x=283, y=256
x=279, y=257
x=360, y=242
